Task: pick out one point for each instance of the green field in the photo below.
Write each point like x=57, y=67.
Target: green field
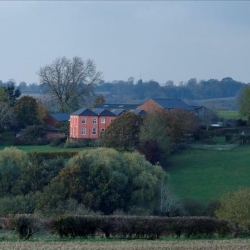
x=206, y=175
x=229, y=114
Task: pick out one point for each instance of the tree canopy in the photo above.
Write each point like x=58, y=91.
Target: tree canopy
x=26, y=111
x=70, y=82
x=244, y=103
x=105, y=180
x=123, y=132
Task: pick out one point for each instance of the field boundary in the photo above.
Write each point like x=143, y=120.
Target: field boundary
x=216, y=147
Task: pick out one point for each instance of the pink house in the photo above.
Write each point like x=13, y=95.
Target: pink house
x=88, y=124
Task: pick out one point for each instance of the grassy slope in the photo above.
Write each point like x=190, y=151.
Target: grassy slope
x=206, y=175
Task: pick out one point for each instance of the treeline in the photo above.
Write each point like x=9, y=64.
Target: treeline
x=118, y=91
x=129, y=90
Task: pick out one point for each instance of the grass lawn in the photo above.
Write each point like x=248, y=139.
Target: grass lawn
x=205, y=175
x=229, y=114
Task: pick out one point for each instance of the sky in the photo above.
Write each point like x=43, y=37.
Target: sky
x=159, y=40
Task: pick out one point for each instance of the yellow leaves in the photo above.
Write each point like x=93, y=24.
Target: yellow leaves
x=236, y=207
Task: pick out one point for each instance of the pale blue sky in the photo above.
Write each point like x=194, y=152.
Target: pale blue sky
x=160, y=40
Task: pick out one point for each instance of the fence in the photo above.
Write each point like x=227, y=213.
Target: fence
x=216, y=147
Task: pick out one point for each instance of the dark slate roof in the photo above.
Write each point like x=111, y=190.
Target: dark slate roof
x=117, y=106
x=173, y=104
x=103, y=112
x=84, y=112
x=61, y=117
x=118, y=112
x=139, y=112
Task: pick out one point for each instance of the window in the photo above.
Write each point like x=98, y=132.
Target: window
x=94, y=121
x=103, y=129
x=83, y=120
x=83, y=131
x=102, y=120
x=93, y=131
x=111, y=120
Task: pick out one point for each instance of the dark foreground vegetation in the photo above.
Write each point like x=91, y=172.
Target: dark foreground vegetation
x=122, y=227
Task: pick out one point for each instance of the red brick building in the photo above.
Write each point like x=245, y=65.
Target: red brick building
x=89, y=123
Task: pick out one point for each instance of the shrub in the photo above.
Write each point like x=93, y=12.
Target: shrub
x=150, y=227
x=24, y=225
x=193, y=207
x=236, y=207
x=33, y=135
x=151, y=150
x=58, y=141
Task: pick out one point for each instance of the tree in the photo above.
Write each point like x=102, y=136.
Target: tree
x=105, y=180
x=153, y=130
x=12, y=93
x=70, y=82
x=179, y=123
x=151, y=150
x=236, y=207
x=26, y=111
x=100, y=99
x=244, y=103
x=3, y=95
x=6, y=115
x=11, y=162
x=123, y=132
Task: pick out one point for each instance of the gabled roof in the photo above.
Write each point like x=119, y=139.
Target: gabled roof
x=84, y=112
x=117, y=106
x=103, y=112
x=199, y=107
x=139, y=112
x=61, y=117
x=118, y=112
x=173, y=104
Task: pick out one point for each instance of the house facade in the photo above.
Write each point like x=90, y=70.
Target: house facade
x=88, y=124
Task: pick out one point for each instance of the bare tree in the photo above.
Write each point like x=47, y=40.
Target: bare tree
x=168, y=200
x=70, y=82
x=6, y=115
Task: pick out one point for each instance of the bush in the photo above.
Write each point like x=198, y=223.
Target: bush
x=17, y=204
x=236, y=207
x=24, y=225
x=33, y=135
x=193, y=207
x=151, y=150
x=58, y=141
x=150, y=227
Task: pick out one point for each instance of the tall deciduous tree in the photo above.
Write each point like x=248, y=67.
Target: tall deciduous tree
x=70, y=82
x=6, y=115
x=123, y=133
x=244, y=103
x=154, y=129
x=12, y=93
x=26, y=111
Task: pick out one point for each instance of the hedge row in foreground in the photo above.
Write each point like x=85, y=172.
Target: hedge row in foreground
x=140, y=227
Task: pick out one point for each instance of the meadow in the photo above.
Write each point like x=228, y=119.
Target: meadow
x=229, y=114
x=206, y=175
x=129, y=245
